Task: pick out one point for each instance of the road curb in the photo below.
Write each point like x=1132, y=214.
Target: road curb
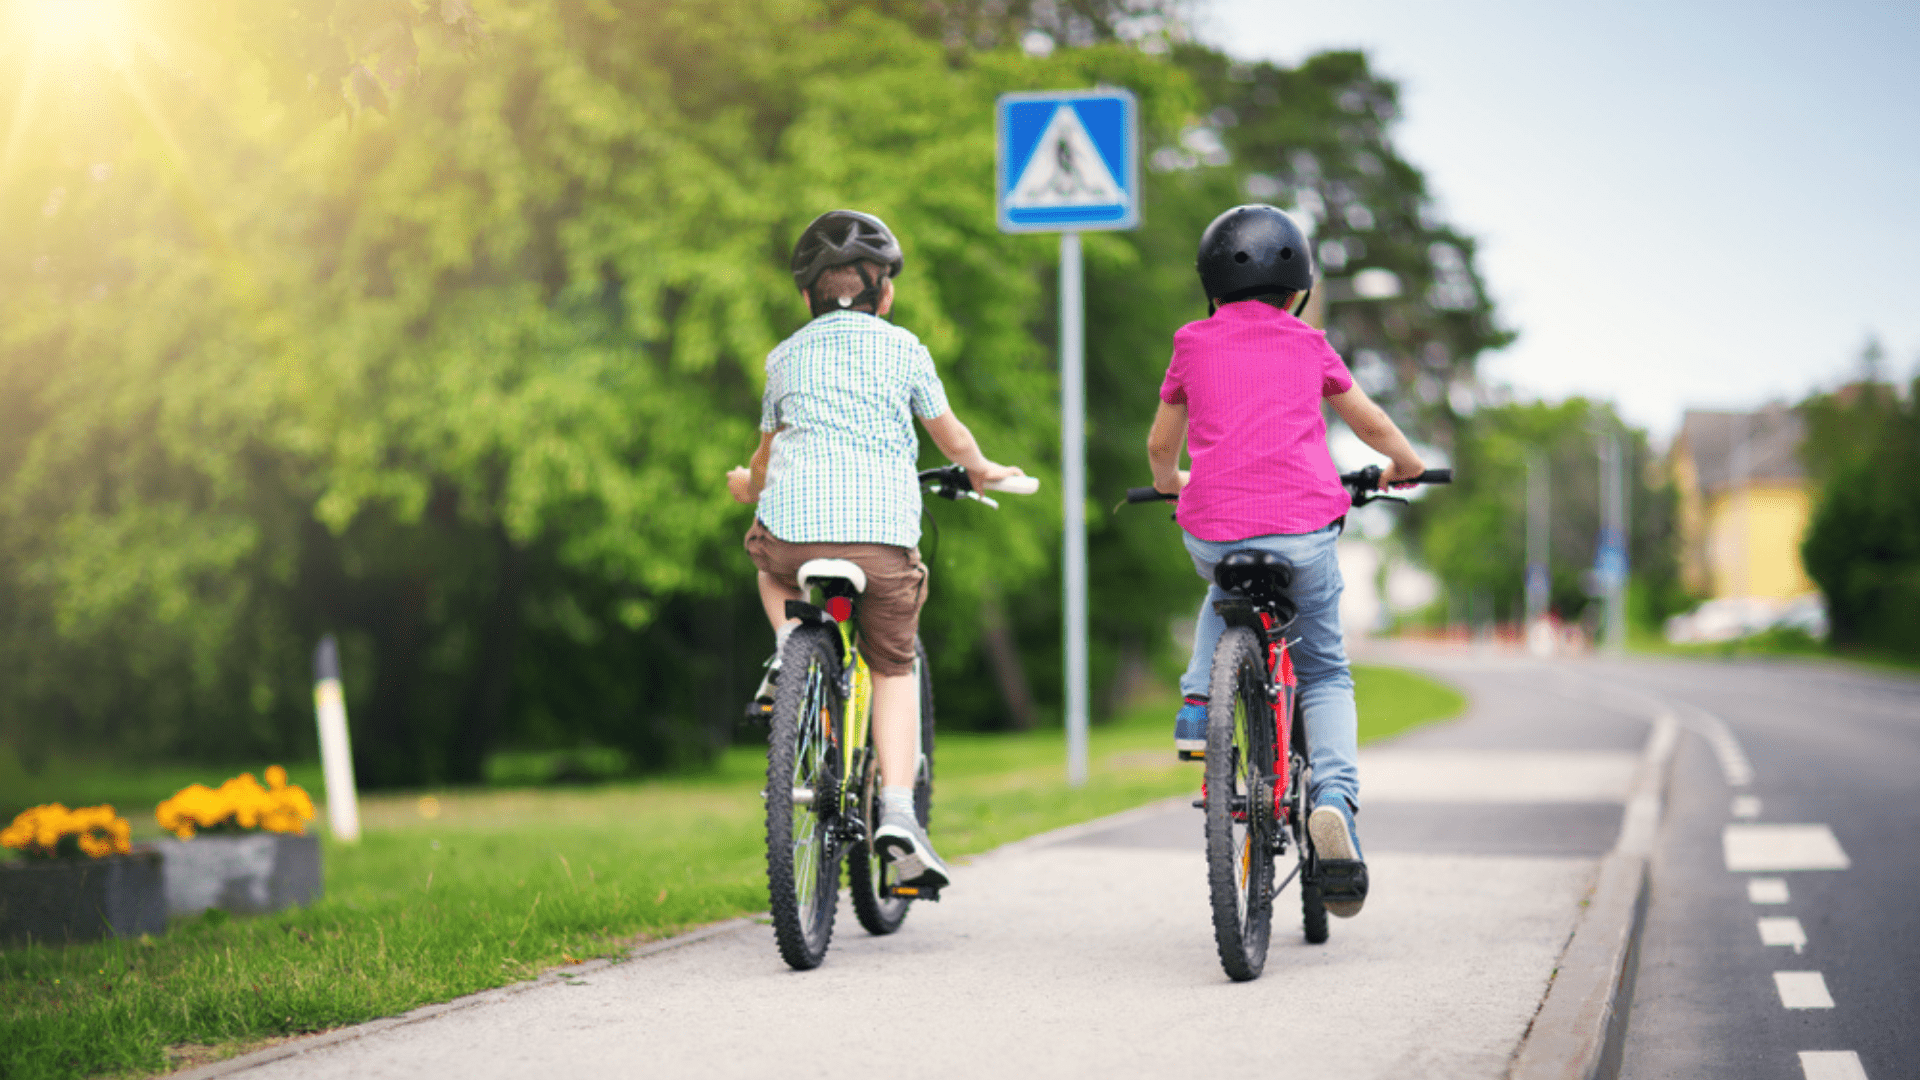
x=1581, y=1025
x=305, y=1044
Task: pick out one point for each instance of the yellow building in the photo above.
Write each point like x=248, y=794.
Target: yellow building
x=1744, y=503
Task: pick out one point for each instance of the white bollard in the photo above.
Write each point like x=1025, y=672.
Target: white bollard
x=336, y=753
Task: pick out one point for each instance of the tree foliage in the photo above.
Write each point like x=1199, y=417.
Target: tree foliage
x=456, y=376
x=1475, y=537
x=1863, y=546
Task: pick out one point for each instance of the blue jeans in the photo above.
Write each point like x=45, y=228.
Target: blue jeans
x=1319, y=652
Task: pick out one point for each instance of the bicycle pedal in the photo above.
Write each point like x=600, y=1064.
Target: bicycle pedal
x=760, y=711
x=1343, y=879
x=914, y=892
x=1192, y=755
x=1198, y=804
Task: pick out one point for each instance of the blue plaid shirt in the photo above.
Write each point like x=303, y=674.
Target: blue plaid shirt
x=842, y=392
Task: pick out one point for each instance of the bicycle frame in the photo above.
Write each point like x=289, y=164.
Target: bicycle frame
x=856, y=689
x=1282, y=685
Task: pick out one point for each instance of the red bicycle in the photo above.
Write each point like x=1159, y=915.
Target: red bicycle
x=1254, y=795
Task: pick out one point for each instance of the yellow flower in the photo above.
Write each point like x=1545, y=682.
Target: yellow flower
x=97, y=831
x=240, y=802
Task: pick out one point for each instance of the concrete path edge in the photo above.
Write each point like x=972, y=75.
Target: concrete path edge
x=1581, y=1025
x=303, y=1043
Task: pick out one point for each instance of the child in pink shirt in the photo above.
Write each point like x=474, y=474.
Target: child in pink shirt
x=1243, y=396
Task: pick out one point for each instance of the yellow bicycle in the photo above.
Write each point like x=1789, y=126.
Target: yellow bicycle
x=823, y=799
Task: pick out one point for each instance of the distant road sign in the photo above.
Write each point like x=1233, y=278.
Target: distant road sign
x=1068, y=161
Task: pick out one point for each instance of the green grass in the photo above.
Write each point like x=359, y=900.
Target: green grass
x=1776, y=643
x=500, y=885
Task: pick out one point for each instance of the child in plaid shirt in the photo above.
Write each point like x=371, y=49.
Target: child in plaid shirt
x=835, y=477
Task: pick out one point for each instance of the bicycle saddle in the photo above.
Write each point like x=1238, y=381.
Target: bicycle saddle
x=1261, y=576
x=819, y=571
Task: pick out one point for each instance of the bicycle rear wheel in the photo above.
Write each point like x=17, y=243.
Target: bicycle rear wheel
x=1239, y=804
x=866, y=870
x=803, y=794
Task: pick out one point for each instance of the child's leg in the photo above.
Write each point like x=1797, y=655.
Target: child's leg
x=1207, y=628
x=896, y=716
x=1320, y=662
x=889, y=620
x=773, y=597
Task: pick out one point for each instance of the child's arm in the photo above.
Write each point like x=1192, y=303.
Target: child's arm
x=745, y=482
x=1164, y=443
x=957, y=443
x=1377, y=429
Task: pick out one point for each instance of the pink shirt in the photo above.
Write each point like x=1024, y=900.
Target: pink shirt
x=1252, y=378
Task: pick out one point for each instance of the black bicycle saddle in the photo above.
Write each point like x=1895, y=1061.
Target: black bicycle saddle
x=1260, y=576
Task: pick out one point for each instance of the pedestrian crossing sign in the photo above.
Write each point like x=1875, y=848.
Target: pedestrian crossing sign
x=1068, y=161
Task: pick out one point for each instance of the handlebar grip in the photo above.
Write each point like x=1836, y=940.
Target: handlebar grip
x=1148, y=494
x=1015, y=485
x=1435, y=476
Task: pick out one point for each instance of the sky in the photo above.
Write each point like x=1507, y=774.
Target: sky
x=1679, y=205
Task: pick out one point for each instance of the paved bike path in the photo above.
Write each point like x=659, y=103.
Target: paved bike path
x=1091, y=952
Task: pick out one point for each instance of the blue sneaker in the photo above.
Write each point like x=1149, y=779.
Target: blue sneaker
x=1343, y=869
x=1190, y=729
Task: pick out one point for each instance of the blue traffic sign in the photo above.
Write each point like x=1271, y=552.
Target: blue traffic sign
x=1068, y=161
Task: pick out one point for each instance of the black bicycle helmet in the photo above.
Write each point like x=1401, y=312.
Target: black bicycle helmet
x=841, y=237
x=1252, y=251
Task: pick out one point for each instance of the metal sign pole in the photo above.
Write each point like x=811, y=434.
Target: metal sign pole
x=1067, y=161
x=1073, y=484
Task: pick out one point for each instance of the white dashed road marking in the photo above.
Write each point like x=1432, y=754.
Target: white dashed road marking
x=1781, y=847
x=1802, y=990
x=1832, y=1065
x=1734, y=765
x=1752, y=847
x=1783, y=931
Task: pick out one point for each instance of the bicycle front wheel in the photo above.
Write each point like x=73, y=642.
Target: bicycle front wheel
x=866, y=870
x=803, y=796
x=1239, y=804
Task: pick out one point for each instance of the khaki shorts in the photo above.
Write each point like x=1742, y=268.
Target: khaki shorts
x=889, y=611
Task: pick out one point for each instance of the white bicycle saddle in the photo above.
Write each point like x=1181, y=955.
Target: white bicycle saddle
x=816, y=570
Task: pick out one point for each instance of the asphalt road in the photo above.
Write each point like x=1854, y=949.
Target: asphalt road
x=1090, y=953
x=1826, y=747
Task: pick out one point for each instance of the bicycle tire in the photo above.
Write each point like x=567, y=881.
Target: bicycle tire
x=1313, y=906
x=1240, y=734
x=866, y=874
x=803, y=875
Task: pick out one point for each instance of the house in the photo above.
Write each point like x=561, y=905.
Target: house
x=1745, y=502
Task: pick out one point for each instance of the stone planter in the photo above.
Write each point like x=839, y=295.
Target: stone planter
x=62, y=900
x=246, y=875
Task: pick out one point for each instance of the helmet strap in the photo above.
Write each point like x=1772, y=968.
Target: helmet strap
x=869, y=295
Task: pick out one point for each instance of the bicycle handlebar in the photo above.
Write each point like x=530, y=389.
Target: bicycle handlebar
x=952, y=482
x=1364, y=483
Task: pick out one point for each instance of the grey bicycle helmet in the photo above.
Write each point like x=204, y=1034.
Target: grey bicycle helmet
x=839, y=238
x=1255, y=250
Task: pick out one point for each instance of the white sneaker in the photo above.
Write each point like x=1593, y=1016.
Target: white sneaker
x=1334, y=843
x=761, y=707
x=905, y=847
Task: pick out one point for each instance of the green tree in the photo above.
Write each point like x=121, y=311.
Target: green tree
x=1863, y=546
x=456, y=375
x=1473, y=533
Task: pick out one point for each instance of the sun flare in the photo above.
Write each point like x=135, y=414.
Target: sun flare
x=73, y=26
